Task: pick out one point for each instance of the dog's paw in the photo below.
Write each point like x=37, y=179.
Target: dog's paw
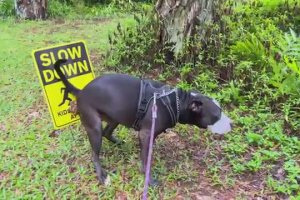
x=107, y=181
x=154, y=182
x=115, y=140
x=102, y=178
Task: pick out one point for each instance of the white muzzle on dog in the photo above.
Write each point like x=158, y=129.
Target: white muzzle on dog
x=223, y=125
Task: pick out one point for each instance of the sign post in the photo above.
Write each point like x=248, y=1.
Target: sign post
x=78, y=71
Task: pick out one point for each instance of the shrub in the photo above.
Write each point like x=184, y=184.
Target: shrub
x=6, y=8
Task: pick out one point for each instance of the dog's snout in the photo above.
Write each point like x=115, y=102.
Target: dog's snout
x=216, y=118
x=231, y=124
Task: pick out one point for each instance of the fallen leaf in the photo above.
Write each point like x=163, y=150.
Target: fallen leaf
x=179, y=197
x=280, y=174
x=121, y=196
x=3, y=176
x=201, y=197
x=54, y=133
x=2, y=127
x=34, y=114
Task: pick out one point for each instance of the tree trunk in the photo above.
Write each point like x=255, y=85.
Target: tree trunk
x=178, y=19
x=31, y=9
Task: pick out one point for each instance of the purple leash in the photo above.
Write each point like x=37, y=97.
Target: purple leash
x=150, y=148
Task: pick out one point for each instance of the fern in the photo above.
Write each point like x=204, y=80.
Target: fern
x=286, y=74
x=251, y=49
x=291, y=47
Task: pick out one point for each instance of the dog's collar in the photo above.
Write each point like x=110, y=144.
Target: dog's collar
x=167, y=102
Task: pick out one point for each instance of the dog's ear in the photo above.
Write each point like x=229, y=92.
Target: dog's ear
x=196, y=106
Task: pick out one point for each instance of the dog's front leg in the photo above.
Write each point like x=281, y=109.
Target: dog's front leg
x=144, y=138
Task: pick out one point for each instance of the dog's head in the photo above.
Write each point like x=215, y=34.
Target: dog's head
x=202, y=110
x=205, y=112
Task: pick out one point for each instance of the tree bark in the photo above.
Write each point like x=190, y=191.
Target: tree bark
x=179, y=18
x=31, y=9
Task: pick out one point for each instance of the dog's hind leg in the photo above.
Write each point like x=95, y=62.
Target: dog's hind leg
x=108, y=131
x=92, y=123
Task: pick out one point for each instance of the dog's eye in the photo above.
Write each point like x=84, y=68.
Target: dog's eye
x=216, y=118
x=196, y=106
x=199, y=103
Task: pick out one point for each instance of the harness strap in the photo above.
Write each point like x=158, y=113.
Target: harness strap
x=142, y=105
x=167, y=103
x=163, y=94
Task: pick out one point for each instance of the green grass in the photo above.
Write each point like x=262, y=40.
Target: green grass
x=257, y=158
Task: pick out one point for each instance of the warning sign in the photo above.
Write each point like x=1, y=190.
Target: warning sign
x=78, y=70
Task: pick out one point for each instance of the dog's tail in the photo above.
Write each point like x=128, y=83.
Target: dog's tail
x=69, y=87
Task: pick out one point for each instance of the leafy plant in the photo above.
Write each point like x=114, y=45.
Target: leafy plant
x=58, y=9
x=132, y=46
x=254, y=138
x=251, y=50
x=255, y=163
x=6, y=8
x=286, y=74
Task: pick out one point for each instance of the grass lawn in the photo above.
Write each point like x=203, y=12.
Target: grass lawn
x=256, y=160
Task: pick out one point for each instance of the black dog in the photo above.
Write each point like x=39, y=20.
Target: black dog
x=123, y=99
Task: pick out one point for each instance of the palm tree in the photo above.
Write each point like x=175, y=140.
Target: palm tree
x=178, y=19
x=34, y=9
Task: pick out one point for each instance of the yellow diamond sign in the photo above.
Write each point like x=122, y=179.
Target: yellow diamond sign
x=78, y=71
